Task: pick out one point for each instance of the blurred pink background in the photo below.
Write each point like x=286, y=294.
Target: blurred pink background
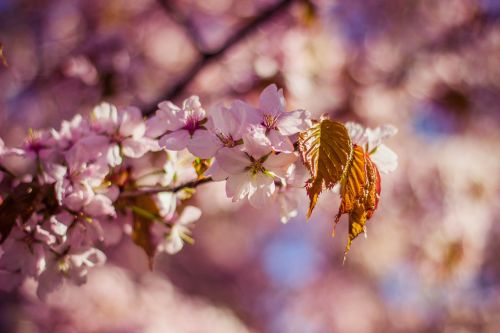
x=431, y=68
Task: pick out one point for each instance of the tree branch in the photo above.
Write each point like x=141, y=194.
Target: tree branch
x=184, y=21
x=209, y=57
x=159, y=189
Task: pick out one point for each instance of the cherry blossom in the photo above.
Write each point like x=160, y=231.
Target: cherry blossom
x=113, y=174
x=124, y=130
x=173, y=240
x=180, y=128
x=251, y=170
x=279, y=123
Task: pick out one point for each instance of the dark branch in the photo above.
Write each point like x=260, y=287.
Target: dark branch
x=209, y=57
x=184, y=21
x=159, y=189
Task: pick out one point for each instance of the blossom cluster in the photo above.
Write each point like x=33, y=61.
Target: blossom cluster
x=115, y=173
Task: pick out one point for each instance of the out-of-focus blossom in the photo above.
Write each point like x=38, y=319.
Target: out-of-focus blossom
x=73, y=265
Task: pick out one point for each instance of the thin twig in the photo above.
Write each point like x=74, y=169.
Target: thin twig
x=209, y=57
x=159, y=189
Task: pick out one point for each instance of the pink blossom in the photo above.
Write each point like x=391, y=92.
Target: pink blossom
x=251, y=170
x=173, y=240
x=181, y=127
x=125, y=130
x=279, y=123
x=226, y=127
x=73, y=265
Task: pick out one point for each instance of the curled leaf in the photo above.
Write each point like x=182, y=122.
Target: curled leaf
x=365, y=205
x=326, y=151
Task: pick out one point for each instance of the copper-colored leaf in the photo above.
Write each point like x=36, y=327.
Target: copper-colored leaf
x=326, y=151
x=365, y=204
x=200, y=166
x=144, y=212
x=354, y=183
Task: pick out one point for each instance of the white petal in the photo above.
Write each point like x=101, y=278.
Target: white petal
x=385, y=159
x=280, y=163
x=114, y=157
x=238, y=186
x=263, y=188
x=189, y=215
x=356, y=132
x=132, y=123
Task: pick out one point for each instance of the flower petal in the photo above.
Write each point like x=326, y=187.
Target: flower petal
x=176, y=140
x=204, y=144
x=232, y=160
x=293, y=122
x=385, y=159
x=280, y=142
x=238, y=186
x=271, y=100
x=263, y=188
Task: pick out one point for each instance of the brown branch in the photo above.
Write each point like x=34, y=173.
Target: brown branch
x=184, y=21
x=264, y=17
x=159, y=189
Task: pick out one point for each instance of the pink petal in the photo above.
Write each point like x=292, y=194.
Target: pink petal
x=256, y=143
x=177, y=140
x=216, y=172
x=232, y=160
x=280, y=142
x=293, y=122
x=155, y=127
x=135, y=148
x=204, y=144
x=271, y=100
